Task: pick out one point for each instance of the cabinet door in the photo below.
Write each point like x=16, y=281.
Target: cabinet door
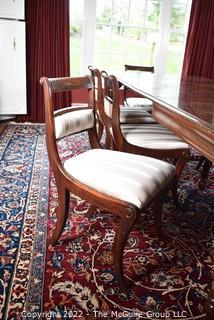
x=13, y=9
x=12, y=67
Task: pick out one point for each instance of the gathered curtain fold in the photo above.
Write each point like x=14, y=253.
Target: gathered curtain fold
x=47, y=51
x=199, y=51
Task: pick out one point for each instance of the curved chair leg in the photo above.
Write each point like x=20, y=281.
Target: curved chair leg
x=124, y=228
x=62, y=213
x=180, y=164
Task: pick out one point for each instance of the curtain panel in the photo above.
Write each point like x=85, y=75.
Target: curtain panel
x=199, y=52
x=47, y=50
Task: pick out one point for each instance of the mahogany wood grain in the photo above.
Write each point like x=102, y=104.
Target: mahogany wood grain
x=125, y=211
x=185, y=107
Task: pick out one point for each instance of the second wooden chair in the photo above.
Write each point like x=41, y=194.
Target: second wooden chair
x=152, y=140
x=127, y=115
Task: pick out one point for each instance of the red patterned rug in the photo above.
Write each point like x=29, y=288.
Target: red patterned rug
x=169, y=280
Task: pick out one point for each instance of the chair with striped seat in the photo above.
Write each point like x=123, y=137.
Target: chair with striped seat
x=137, y=102
x=152, y=140
x=117, y=182
x=127, y=115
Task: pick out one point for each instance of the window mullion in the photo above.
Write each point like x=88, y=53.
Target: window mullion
x=163, y=43
x=89, y=27
x=127, y=33
x=186, y=23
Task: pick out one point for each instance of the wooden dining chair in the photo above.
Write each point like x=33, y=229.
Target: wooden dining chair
x=117, y=182
x=152, y=140
x=127, y=115
x=136, y=101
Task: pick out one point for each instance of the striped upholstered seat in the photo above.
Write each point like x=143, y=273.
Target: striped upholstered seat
x=139, y=103
x=128, y=177
x=132, y=115
x=154, y=136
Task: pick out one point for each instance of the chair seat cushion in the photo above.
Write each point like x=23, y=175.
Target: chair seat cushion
x=129, y=115
x=132, y=178
x=71, y=121
x=135, y=115
x=154, y=136
x=139, y=102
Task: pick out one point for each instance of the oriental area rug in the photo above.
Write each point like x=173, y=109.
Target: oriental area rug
x=74, y=279
x=24, y=180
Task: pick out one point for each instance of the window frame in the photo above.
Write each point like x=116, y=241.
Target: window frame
x=89, y=27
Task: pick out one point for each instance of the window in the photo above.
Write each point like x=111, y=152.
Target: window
x=108, y=34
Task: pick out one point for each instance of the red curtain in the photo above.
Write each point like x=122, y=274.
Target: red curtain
x=199, y=53
x=47, y=42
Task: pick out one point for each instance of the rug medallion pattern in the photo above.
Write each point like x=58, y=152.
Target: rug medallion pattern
x=168, y=279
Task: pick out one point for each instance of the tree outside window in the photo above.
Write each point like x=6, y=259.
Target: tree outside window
x=129, y=32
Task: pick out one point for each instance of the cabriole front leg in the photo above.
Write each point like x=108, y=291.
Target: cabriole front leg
x=123, y=230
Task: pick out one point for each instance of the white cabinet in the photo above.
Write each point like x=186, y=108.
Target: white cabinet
x=12, y=58
x=12, y=67
x=12, y=9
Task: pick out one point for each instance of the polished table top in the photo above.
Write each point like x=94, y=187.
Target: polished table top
x=195, y=96
x=182, y=105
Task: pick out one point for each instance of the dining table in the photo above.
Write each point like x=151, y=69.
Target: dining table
x=185, y=106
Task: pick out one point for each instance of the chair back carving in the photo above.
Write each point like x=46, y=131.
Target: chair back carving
x=101, y=110
x=112, y=109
